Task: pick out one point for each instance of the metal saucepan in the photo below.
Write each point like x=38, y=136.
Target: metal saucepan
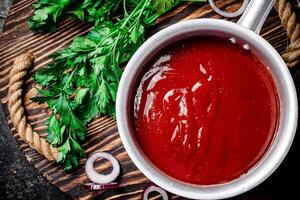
x=245, y=33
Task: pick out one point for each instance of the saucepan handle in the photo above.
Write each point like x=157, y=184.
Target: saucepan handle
x=256, y=14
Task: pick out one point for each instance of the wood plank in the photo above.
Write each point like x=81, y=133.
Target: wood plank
x=102, y=132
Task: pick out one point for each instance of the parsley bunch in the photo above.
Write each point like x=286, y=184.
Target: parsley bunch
x=82, y=80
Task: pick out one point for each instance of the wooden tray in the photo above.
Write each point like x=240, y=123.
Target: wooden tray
x=102, y=132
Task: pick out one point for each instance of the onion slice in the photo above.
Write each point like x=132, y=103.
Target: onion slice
x=154, y=188
x=93, y=186
x=101, y=178
x=227, y=14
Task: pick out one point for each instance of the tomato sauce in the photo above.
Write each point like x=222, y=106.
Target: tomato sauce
x=206, y=111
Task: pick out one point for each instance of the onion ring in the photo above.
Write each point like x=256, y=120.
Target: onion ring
x=227, y=14
x=100, y=178
x=154, y=188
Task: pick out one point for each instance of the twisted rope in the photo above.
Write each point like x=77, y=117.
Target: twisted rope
x=18, y=73
x=24, y=62
x=289, y=21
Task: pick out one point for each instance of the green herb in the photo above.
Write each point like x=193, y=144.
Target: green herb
x=49, y=12
x=81, y=82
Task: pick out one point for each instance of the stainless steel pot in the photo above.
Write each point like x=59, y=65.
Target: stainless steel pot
x=245, y=34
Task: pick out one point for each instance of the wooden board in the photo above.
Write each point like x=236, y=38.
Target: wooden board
x=102, y=132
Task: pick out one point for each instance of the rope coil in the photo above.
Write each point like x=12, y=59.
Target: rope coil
x=24, y=62
x=289, y=21
x=18, y=73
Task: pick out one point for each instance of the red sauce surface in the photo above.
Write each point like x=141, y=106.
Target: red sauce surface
x=206, y=111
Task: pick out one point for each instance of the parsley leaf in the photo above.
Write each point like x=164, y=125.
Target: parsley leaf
x=54, y=131
x=80, y=95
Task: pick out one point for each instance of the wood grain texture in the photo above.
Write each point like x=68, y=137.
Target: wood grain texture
x=102, y=132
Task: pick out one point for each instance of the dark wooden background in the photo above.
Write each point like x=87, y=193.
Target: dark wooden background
x=102, y=132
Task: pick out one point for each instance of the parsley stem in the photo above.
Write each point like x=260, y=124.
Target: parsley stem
x=70, y=78
x=125, y=9
x=132, y=13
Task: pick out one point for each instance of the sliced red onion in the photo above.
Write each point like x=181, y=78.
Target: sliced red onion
x=227, y=14
x=93, y=186
x=101, y=178
x=154, y=188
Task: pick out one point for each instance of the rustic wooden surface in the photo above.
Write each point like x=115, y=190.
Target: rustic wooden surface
x=102, y=132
